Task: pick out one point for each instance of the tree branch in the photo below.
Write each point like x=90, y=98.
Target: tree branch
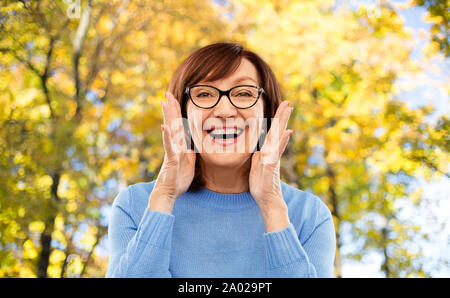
x=45, y=76
x=77, y=46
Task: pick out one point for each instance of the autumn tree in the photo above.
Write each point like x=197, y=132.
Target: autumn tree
x=439, y=16
x=80, y=119
x=353, y=135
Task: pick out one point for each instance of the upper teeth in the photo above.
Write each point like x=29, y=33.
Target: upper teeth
x=225, y=131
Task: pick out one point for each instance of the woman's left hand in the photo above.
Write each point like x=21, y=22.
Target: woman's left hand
x=264, y=179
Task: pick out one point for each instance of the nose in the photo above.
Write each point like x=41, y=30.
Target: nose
x=224, y=108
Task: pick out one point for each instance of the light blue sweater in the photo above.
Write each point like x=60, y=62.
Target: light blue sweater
x=212, y=234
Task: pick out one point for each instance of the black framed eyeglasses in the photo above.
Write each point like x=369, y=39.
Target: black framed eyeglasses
x=207, y=97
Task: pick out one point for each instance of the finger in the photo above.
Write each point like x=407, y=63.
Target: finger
x=166, y=107
x=175, y=103
x=284, y=141
x=164, y=112
x=175, y=119
x=279, y=122
x=282, y=124
x=172, y=106
x=284, y=119
x=176, y=127
x=167, y=142
x=283, y=106
x=275, y=145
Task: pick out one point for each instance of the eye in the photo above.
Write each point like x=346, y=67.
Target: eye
x=242, y=93
x=203, y=94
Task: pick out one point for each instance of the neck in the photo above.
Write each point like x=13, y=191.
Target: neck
x=228, y=180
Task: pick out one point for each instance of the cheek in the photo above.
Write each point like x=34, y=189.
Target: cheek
x=195, y=120
x=258, y=111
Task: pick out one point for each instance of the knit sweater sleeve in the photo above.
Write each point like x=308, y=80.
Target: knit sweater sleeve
x=138, y=249
x=286, y=256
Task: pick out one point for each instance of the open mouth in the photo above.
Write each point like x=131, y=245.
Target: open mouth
x=225, y=135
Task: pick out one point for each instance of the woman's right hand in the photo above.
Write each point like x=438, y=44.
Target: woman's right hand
x=178, y=168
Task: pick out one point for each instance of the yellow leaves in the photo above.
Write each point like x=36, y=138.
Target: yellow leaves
x=128, y=167
x=100, y=82
x=107, y=169
x=29, y=251
x=89, y=238
x=104, y=25
x=11, y=6
x=21, y=212
x=388, y=162
x=70, y=190
x=139, y=38
x=19, y=158
x=322, y=80
x=43, y=182
x=428, y=18
x=39, y=112
x=328, y=111
x=336, y=157
x=154, y=162
x=59, y=223
x=316, y=140
x=74, y=266
x=71, y=206
x=71, y=109
x=36, y=226
x=53, y=271
x=417, y=274
x=57, y=256
x=84, y=131
x=19, y=270
x=430, y=49
x=322, y=185
x=118, y=78
x=25, y=97
x=347, y=123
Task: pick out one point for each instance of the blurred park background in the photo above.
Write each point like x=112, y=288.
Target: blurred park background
x=80, y=84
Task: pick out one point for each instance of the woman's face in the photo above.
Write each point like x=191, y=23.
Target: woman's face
x=224, y=118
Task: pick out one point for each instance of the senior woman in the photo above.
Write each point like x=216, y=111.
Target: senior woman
x=218, y=207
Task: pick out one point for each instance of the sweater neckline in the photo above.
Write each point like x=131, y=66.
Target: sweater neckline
x=217, y=200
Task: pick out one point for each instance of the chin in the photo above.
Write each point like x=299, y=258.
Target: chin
x=226, y=160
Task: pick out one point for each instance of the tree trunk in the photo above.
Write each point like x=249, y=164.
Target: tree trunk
x=385, y=241
x=77, y=51
x=44, y=255
x=46, y=236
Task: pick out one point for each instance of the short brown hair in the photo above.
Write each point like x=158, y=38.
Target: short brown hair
x=214, y=62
